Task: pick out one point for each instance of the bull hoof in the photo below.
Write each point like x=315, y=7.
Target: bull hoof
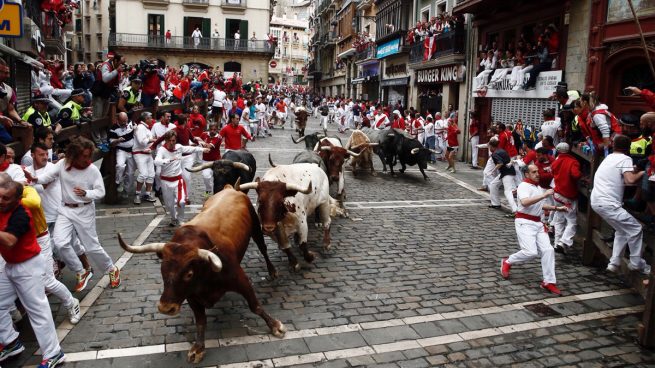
x=309, y=257
x=402, y=171
x=294, y=267
x=327, y=247
x=278, y=330
x=373, y=173
x=196, y=354
x=318, y=225
x=274, y=275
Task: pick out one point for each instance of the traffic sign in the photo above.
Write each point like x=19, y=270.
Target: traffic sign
x=273, y=64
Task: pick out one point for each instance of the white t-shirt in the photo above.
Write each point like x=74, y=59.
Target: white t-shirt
x=219, y=98
x=261, y=110
x=50, y=194
x=608, y=180
x=550, y=128
x=429, y=129
x=527, y=190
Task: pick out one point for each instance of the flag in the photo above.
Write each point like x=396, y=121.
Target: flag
x=429, y=47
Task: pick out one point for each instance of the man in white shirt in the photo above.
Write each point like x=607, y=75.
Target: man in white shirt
x=217, y=105
x=551, y=126
x=44, y=136
x=196, y=35
x=260, y=109
x=143, y=158
x=120, y=136
x=530, y=231
x=612, y=175
x=381, y=120
x=440, y=129
x=429, y=137
x=237, y=38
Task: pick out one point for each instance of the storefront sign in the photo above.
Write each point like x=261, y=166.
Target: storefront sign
x=392, y=69
x=441, y=74
x=11, y=19
x=388, y=48
x=545, y=87
x=394, y=82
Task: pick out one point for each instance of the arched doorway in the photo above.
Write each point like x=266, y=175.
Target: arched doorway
x=624, y=68
x=230, y=68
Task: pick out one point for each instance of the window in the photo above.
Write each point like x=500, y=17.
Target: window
x=425, y=14
x=234, y=25
x=156, y=25
x=441, y=7
x=638, y=76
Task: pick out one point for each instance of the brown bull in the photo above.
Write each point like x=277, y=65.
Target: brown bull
x=359, y=143
x=203, y=261
x=334, y=156
x=301, y=121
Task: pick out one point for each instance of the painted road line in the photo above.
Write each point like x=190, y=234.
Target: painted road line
x=402, y=345
x=254, y=339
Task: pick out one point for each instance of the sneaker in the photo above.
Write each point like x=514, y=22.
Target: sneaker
x=559, y=248
x=56, y=360
x=149, y=198
x=74, y=314
x=504, y=268
x=137, y=199
x=612, y=268
x=494, y=206
x=11, y=350
x=114, y=278
x=551, y=288
x=644, y=270
x=83, y=280
x=511, y=215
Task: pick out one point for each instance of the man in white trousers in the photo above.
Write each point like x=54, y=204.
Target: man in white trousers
x=158, y=130
x=566, y=174
x=531, y=232
x=120, y=137
x=440, y=128
x=612, y=175
x=81, y=185
x=143, y=158
x=504, y=166
x=474, y=138
x=22, y=276
x=174, y=187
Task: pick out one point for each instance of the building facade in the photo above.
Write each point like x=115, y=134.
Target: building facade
x=366, y=84
x=91, y=29
x=233, y=34
x=292, y=53
x=392, y=22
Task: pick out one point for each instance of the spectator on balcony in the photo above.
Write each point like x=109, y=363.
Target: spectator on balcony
x=168, y=36
x=196, y=35
x=237, y=39
x=253, y=40
x=544, y=64
x=551, y=35
x=518, y=71
x=488, y=64
x=8, y=113
x=506, y=66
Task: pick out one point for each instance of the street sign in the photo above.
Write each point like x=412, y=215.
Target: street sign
x=273, y=64
x=11, y=19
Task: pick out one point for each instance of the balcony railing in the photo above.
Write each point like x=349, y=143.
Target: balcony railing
x=368, y=53
x=189, y=43
x=445, y=44
x=238, y=4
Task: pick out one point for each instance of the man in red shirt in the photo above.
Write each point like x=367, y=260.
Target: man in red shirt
x=197, y=123
x=232, y=134
x=453, y=144
x=151, y=86
x=506, y=142
x=566, y=173
x=22, y=276
x=541, y=158
x=398, y=121
x=212, y=141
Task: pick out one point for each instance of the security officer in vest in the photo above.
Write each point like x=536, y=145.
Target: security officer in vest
x=71, y=113
x=640, y=145
x=130, y=96
x=37, y=114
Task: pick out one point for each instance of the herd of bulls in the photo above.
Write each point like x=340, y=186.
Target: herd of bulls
x=202, y=261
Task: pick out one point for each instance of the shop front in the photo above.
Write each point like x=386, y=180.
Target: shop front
x=395, y=80
x=437, y=87
x=367, y=83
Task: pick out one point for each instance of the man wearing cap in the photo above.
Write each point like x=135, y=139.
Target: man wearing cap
x=566, y=173
x=71, y=113
x=37, y=114
x=130, y=96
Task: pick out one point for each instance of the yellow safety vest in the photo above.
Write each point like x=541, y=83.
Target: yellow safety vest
x=639, y=145
x=133, y=98
x=75, y=110
x=45, y=120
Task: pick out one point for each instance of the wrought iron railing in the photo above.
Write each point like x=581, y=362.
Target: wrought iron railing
x=448, y=43
x=368, y=53
x=179, y=42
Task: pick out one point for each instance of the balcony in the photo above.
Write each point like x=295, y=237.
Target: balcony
x=234, y=5
x=51, y=34
x=186, y=44
x=366, y=54
x=449, y=43
x=201, y=4
x=156, y=3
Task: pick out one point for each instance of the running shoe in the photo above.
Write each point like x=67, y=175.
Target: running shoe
x=551, y=288
x=11, y=350
x=83, y=280
x=114, y=278
x=74, y=314
x=504, y=268
x=137, y=199
x=58, y=359
x=149, y=198
x=644, y=270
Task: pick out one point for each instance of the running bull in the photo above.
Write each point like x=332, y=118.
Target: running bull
x=361, y=144
x=301, y=120
x=234, y=165
x=408, y=151
x=334, y=156
x=202, y=262
x=311, y=140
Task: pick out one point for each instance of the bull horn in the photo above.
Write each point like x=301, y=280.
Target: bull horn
x=212, y=258
x=319, y=135
x=243, y=167
x=436, y=152
x=270, y=161
x=326, y=148
x=373, y=144
x=414, y=151
x=299, y=189
x=146, y=248
x=245, y=187
x=225, y=162
x=299, y=140
x=206, y=165
x=353, y=154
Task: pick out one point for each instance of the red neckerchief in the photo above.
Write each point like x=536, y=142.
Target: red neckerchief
x=79, y=167
x=4, y=165
x=529, y=181
x=169, y=150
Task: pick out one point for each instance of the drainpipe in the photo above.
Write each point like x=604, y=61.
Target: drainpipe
x=470, y=46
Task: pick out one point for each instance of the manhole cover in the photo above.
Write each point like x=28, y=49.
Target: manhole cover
x=542, y=310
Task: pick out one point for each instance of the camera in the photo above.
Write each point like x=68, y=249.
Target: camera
x=3, y=93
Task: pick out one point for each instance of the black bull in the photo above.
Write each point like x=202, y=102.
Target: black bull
x=234, y=165
x=407, y=150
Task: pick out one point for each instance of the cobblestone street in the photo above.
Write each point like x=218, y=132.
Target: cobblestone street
x=412, y=280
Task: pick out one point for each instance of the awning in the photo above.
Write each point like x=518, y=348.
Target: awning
x=395, y=82
x=26, y=59
x=350, y=51
x=358, y=80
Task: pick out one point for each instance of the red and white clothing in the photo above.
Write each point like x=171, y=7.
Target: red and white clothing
x=566, y=173
x=398, y=123
x=142, y=154
x=214, y=154
x=232, y=136
x=531, y=233
x=381, y=121
x=417, y=129
x=440, y=128
x=173, y=185
x=474, y=138
x=453, y=131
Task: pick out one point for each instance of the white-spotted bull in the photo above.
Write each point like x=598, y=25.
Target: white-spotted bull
x=360, y=143
x=234, y=165
x=301, y=120
x=286, y=194
x=202, y=262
